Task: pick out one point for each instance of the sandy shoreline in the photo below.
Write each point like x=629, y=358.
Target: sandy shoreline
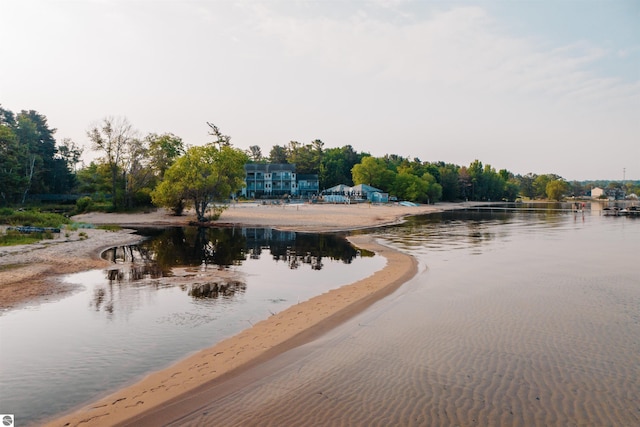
x=41, y=264
x=292, y=217
x=30, y=273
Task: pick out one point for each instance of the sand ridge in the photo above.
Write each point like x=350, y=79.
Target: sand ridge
x=289, y=328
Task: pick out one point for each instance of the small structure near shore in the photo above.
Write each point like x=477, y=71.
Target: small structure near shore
x=342, y=193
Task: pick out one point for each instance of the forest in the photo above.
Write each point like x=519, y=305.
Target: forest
x=134, y=171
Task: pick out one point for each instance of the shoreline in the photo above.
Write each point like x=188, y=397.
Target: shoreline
x=290, y=328
x=30, y=274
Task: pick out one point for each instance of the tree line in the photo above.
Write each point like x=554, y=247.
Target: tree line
x=135, y=170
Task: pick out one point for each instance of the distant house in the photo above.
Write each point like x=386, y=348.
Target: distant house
x=277, y=180
x=342, y=193
x=370, y=193
x=337, y=194
x=596, y=192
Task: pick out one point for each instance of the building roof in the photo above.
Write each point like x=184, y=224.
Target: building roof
x=338, y=189
x=365, y=189
x=307, y=176
x=270, y=167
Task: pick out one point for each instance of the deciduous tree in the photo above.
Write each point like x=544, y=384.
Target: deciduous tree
x=163, y=151
x=112, y=137
x=203, y=176
x=556, y=189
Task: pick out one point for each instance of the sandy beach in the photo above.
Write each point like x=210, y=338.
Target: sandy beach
x=296, y=217
x=40, y=266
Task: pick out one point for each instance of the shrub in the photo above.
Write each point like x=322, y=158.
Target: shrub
x=84, y=204
x=216, y=211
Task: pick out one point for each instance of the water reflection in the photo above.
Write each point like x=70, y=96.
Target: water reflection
x=217, y=290
x=223, y=247
x=199, y=261
x=476, y=227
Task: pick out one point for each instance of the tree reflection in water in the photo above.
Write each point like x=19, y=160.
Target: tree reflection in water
x=223, y=247
x=204, y=247
x=216, y=290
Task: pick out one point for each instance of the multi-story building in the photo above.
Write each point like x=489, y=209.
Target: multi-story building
x=276, y=180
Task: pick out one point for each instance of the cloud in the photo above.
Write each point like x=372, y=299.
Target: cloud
x=461, y=48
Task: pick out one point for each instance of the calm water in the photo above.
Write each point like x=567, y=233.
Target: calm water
x=521, y=319
x=58, y=355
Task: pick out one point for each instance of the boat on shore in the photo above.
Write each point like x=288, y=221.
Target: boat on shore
x=616, y=211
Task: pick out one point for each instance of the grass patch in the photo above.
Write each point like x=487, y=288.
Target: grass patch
x=7, y=267
x=14, y=238
x=33, y=218
x=109, y=227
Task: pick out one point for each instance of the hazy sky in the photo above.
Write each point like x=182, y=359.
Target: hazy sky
x=530, y=86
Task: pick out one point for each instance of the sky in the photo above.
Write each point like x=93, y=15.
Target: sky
x=537, y=86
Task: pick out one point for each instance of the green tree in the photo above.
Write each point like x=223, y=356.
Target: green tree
x=35, y=135
x=556, y=189
x=336, y=166
x=540, y=184
x=203, y=176
x=373, y=171
x=163, y=151
x=278, y=154
x=94, y=178
x=407, y=186
x=449, y=180
x=70, y=153
x=11, y=160
x=255, y=153
x=434, y=190
x=527, y=188
x=137, y=173
x=465, y=183
x=112, y=137
x=307, y=157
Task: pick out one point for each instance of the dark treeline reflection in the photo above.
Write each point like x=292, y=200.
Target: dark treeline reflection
x=208, y=250
x=215, y=290
x=191, y=246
